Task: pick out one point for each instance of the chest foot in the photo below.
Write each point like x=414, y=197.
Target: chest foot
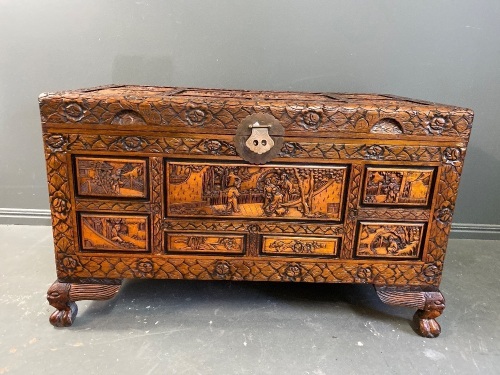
x=63, y=296
x=428, y=301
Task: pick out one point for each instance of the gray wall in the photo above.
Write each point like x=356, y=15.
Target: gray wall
x=446, y=51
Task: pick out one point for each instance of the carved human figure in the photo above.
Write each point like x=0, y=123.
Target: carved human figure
x=286, y=187
x=115, y=233
x=273, y=198
x=116, y=181
x=406, y=190
x=98, y=226
x=233, y=193
x=392, y=248
x=392, y=191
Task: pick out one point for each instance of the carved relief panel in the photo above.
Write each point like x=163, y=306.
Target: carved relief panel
x=398, y=186
x=111, y=177
x=206, y=243
x=245, y=191
x=389, y=240
x=299, y=246
x=120, y=233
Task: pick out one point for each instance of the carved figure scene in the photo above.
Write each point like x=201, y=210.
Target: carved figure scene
x=114, y=233
x=251, y=191
x=299, y=246
x=389, y=241
x=204, y=243
x=398, y=186
x=111, y=177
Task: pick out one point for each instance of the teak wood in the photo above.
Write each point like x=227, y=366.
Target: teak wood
x=177, y=183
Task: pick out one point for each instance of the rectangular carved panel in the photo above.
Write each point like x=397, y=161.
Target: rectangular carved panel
x=398, y=186
x=111, y=177
x=299, y=246
x=389, y=240
x=114, y=232
x=205, y=243
x=246, y=191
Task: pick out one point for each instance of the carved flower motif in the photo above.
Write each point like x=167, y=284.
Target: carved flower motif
x=253, y=228
x=352, y=214
x=311, y=118
x=69, y=263
x=229, y=243
x=213, y=146
x=289, y=149
x=364, y=273
x=74, y=111
x=60, y=206
x=293, y=271
x=430, y=272
x=453, y=156
x=374, y=152
x=298, y=247
x=221, y=269
x=195, y=115
x=132, y=143
x=309, y=247
x=145, y=266
x=438, y=124
x=56, y=142
x=444, y=215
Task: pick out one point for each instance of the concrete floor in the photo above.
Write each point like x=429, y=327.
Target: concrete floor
x=186, y=327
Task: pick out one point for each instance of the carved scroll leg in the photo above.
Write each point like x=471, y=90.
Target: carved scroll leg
x=63, y=296
x=428, y=300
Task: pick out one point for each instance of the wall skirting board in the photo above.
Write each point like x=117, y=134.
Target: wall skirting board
x=475, y=231
x=23, y=216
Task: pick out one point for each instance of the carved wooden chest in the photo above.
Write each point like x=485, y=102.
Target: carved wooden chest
x=176, y=183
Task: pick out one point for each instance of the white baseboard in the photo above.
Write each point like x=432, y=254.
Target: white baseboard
x=475, y=231
x=23, y=216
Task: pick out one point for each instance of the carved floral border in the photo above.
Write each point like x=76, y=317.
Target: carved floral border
x=216, y=147
x=71, y=267
x=158, y=110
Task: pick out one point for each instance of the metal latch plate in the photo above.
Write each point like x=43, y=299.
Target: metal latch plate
x=259, y=138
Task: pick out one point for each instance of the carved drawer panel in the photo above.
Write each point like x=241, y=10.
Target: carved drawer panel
x=389, y=240
x=398, y=186
x=245, y=191
x=299, y=246
x=206, y=243
x=118, y=233
x=111, y=177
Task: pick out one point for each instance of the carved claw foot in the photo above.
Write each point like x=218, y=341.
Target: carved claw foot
x=63, y=296
x=428, y=300
x=426, y=327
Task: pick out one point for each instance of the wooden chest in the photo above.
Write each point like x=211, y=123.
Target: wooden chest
x=177, y=183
